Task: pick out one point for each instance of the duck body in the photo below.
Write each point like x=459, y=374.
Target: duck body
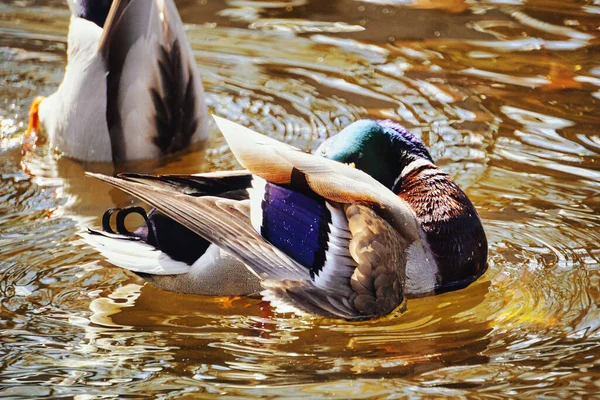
x=330, y=239
x=131, y=88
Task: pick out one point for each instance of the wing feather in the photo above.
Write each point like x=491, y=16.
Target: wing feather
x=155, y=99
x=283, y=164
x=224, y=222
x=216, y=184
x=376, y=285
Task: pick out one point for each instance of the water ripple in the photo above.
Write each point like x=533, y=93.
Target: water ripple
x=504, y=94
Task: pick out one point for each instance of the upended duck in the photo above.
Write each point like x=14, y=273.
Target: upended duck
x=131, y=88
x=347, y=233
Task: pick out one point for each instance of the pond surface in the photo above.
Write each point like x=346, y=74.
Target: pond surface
x=504, y=93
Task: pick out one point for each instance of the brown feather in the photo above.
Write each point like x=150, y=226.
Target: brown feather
x=376, y=285
x=451, y=224
x=380, y=253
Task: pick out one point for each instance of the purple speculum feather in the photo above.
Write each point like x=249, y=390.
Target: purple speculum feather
x=296, y=224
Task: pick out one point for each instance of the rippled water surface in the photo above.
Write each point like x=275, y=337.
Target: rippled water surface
x=504, y=93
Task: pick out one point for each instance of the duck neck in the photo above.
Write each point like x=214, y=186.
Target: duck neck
x=389, y=167
x=449, y=221
x=425, y=187
x=406, y=154
x=412, y=170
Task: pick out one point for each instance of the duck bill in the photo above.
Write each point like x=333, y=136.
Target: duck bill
x=33, y=127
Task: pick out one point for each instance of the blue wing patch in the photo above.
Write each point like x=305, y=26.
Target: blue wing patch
x=297, y=224
x=308, y=229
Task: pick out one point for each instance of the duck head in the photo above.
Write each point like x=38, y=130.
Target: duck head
x=95, y=11
x=449, y=222
x=382, y=149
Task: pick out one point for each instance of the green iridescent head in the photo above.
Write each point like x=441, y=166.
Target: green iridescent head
x=380, y=148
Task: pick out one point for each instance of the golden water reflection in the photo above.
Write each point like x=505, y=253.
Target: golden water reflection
x=505, y=95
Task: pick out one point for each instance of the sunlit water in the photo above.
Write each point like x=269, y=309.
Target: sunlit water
x=504, y=93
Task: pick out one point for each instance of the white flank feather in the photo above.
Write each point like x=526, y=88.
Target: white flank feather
x=338, y=217
x=421, y=270
x=257, y=195
x=134, y=255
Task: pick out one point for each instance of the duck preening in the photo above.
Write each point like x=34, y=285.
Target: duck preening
x=346, y=233
x=131, y=88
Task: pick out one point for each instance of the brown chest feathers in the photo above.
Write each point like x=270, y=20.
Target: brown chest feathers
x=451, y=224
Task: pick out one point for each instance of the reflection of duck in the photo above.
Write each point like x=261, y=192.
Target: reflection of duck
x=131, y=89
x=319, y=234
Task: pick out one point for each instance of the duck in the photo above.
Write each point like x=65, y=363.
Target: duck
x=131, y=88
x=349, y=232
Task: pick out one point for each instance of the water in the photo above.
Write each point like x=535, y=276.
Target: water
x=504, y=93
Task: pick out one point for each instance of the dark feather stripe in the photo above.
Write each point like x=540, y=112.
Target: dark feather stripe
x=297, y=224
x=95, y=11
x=229, y=184
x=173, y=97
x=120, y=33
x=174, y=239
x=174, y=103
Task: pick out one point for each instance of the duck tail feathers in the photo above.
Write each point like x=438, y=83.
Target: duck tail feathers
x=168, y=89
x=132, y=253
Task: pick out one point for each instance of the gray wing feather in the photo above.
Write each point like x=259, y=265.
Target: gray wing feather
x=224, y=222
x=155, y=99
x=378, y=251
x=307, y=297
x=199, y=184
x=377, y=282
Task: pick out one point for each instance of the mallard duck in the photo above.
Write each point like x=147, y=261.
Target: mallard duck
x=131, y=88
x=347, y=233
